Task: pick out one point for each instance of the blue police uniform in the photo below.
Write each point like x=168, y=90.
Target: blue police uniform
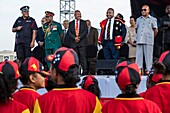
x=24, y=36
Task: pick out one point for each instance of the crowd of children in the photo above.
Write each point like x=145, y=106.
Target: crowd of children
x=64, y=96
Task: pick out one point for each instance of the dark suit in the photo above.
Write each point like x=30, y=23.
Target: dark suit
x=39, y=51
x=40, y=35
x=167, y=32
x=92, y=36
x=65, y=39
x=91, y=50
x=79, y=47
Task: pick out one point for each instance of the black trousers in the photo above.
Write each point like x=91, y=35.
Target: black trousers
x=91, y=68
x=166, y=46
x=81, y=51
x=23, y=51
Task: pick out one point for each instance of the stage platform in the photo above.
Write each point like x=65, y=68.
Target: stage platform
x=108, y=86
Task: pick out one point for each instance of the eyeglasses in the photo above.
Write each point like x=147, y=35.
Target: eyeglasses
x=143, y=10
x=25, y=11
x=42, y=21
x=47, y=16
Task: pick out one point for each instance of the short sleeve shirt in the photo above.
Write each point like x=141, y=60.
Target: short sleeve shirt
x=145, y=33
x=25, y=34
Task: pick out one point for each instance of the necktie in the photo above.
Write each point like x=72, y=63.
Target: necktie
x=77, y=29
x=88, y=31
x=64, y=36
x=108, y=30
x=64, y=32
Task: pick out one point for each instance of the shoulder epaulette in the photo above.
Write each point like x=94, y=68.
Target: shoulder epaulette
x=120, y=20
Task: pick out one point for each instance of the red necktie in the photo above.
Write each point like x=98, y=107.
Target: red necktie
x=77, y=29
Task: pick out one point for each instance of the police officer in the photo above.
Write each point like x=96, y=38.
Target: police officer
x=25, y=28
x=53, y=34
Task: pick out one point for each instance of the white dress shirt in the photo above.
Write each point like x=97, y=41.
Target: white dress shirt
x=111, y=29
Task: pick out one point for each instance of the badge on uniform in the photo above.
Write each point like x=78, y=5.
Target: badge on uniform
x=54, y=28
x=28, y=20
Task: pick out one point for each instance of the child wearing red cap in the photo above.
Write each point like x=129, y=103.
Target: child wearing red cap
x=32, y=77
x=154, y=76
x=128, y=79
x=160, y=94
x=90, y=84
x=66, y=97
x=9, y=75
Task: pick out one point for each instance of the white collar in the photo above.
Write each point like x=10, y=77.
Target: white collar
x=112, y=19
x=149, y=16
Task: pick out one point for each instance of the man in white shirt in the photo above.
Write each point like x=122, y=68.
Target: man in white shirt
x=78, y=38
x=146, y=26
x=110, y=28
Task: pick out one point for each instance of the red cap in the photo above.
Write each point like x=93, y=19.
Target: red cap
x=165, y=59
x=48, y=13
x=127, y=73
x=63, y=58
x=87, y=81
x=33, y=65
x=156, y=78
x=10, y=68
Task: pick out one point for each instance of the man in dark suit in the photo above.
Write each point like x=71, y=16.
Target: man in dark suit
x=112, y=34
x=165, y=27
x=65, y=39
x=78, y=38
x=39, y=51
x=40, y=33
x=91, y=50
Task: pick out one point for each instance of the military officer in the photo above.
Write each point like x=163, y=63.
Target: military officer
x=53, y=34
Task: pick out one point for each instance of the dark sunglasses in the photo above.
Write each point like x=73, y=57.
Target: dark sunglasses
x=47, y=16
x=143, y=10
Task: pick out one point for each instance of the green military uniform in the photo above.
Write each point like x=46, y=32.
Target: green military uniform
x=52, y=37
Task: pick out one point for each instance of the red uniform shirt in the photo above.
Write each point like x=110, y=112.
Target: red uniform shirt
x=68, y=100
x=13, y=107
x=160, y=94
x=142, y=94
x=130, y=105
x=26, y=96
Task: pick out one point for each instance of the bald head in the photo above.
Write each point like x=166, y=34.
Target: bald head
x=145, y=10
